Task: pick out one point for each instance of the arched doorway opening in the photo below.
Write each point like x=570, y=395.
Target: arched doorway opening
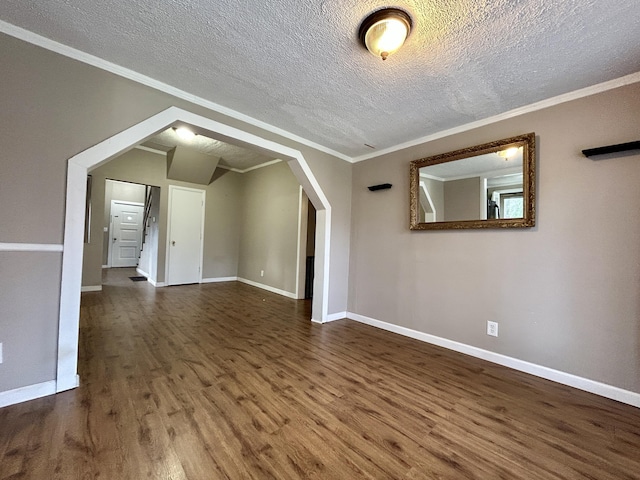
x=80, y=165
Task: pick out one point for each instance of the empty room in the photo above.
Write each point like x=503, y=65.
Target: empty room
x=329, y=240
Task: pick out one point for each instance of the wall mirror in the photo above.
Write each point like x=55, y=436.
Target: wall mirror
x=486, y=186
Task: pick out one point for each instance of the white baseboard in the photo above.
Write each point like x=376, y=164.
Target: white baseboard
x=91, y=288
x=141, y=272
x=332, y=317
x=592, y=386
x=39, y=390
x=268, y=288
x=63, y=384
x=219, y=279
x=30, y=392
x=106, y=266
x=156, y=284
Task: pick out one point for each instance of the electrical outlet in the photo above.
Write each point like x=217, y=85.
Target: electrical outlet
x=262, y=273
x=492, y=329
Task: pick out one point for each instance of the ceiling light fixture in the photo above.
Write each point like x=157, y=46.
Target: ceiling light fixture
x=184, y=133
x=509, y=152
x=383, y=32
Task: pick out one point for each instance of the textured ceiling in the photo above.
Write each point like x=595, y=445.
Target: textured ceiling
x=297, y=65
x=473, y=166
x=231, y=156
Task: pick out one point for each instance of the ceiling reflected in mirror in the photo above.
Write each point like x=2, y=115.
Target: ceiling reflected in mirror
x=486, y=186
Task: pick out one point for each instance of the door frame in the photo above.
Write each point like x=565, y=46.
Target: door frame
x=110, y=246
x=203, y=196
x=79, y=166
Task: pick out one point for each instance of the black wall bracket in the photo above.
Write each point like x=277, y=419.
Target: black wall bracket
x=612, y=149
x=382, y=186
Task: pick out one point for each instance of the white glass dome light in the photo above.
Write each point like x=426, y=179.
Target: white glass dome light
x=385, y=31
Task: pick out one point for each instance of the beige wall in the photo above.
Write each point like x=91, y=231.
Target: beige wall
x=251, y=219
x=222, y=225
x=332, y=174
x=29, y=286
x=52, y=109
x=436, y=192
x=221, y=212
x=462, y=199
x=148, y=264
x=114, y=190
x=565, y=293
x=269, y=227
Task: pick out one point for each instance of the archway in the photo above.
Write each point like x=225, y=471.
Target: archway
x=80, y=164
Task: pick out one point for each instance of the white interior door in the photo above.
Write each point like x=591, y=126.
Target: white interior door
x=185, y=235
x=126, y=233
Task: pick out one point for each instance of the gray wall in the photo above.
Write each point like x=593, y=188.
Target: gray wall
x=565, y=293
x=52, y=109
x=269, y=230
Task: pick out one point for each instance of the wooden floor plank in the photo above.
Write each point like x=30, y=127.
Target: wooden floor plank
x=226, y=381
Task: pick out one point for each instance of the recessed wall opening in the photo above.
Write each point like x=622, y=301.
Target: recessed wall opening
x=123, y=222
x=253, y=222
x=83, y=163
x=310, y=250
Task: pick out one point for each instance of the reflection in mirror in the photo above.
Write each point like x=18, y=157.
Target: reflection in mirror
x=486, y=186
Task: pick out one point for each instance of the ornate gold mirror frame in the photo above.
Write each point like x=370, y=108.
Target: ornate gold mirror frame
x=486, y=186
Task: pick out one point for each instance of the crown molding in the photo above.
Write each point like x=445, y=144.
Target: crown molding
x=79, y=55
x=224, y=167
x=255, y=167
x=75, y=54
x=549, y=102
x=30, y=247
x=150, y=150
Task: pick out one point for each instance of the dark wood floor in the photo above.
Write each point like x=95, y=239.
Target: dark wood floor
x=228, y=381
